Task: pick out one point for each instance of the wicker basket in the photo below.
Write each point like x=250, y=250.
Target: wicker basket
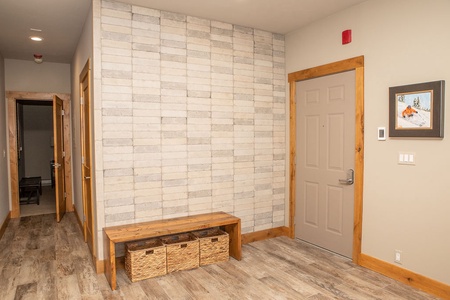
x=214, y=246
x=182, y=252
x=145, y=259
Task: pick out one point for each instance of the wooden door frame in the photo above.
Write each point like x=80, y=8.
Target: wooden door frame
x=12, y=98
x=356, y=64
x=86, y=72
x=58, y=156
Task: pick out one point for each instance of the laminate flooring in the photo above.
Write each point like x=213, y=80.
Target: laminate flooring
x=42, y=259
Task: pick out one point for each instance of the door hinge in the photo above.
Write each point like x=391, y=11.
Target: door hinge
x=81, y=100
x=62, y=112
x=84, y=218
x=65, y=195
x=64, y=154
x=82, y=159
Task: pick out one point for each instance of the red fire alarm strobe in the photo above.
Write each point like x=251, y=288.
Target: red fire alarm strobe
x=38, y=58
x=346, y=36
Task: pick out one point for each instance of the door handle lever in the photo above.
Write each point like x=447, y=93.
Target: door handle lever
x=350, y=178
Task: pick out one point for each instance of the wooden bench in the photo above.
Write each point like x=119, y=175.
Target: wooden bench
x=145, y=230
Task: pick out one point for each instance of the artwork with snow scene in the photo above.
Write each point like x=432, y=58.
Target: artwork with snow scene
x=414, y=110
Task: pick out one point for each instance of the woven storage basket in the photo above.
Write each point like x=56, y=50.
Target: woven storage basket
x=145, y=259
x=214, y=246
x=182, y=252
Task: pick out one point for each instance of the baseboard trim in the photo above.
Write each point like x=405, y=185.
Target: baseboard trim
x=46, y=182
x=408, y=277
x=5, y=224
x=265, y=234
x=78, y=218
x=99, y=265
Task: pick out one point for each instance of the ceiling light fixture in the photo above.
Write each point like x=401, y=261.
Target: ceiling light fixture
x=36, y=38
x=36, y=29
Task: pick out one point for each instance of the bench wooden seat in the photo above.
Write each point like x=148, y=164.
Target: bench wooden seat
x=145, y=230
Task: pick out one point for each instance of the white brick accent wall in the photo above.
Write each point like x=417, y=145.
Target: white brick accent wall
x=192, y=116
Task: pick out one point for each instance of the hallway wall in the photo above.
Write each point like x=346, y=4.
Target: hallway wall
x=83, y=52
x=4, y=163
x=28, y=76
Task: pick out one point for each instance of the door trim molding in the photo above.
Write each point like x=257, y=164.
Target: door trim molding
x=12, y=97
x=86, y=73
x=262, y=235
x=356, y=64
x=4, y=224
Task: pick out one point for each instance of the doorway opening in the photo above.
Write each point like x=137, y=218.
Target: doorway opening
x=356, y=64
x=35, y=157
x=34, y=185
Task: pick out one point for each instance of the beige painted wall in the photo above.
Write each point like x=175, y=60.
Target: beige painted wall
x=27, y=76
x=82, y=54
x=4, y=180
x=403, y=42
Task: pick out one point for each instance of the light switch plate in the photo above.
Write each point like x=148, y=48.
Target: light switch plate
x=406, y=158
x=381, y=133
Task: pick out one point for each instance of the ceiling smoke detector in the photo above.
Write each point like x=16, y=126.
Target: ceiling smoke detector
x=38, y=58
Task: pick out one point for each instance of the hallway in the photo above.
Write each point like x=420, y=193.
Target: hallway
x=42, y=259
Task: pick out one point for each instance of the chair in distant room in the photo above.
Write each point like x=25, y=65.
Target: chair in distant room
x=30, y=188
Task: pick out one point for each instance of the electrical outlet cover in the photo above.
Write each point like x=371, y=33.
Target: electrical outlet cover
x=398, y=256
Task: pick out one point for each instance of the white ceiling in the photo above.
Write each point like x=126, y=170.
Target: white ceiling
x=62, y=21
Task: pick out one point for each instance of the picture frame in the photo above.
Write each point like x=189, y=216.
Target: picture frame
x=417, y=110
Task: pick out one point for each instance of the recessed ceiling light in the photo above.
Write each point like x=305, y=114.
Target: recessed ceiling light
x=36, y=38
x=36, y=29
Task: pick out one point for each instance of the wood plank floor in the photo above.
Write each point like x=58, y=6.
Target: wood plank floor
x=41, y=259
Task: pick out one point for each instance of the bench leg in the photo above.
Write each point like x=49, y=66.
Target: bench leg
x=110, y=262
x=234, y=232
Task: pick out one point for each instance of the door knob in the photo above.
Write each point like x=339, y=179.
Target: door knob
x=56, y=165
x=350, y=178
x=87, y=177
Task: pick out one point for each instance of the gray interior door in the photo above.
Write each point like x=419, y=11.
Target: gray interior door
x=325, y=161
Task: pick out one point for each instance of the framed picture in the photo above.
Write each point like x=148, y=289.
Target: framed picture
x=417, y=110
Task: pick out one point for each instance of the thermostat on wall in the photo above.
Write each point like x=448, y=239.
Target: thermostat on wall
x=381, y=133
